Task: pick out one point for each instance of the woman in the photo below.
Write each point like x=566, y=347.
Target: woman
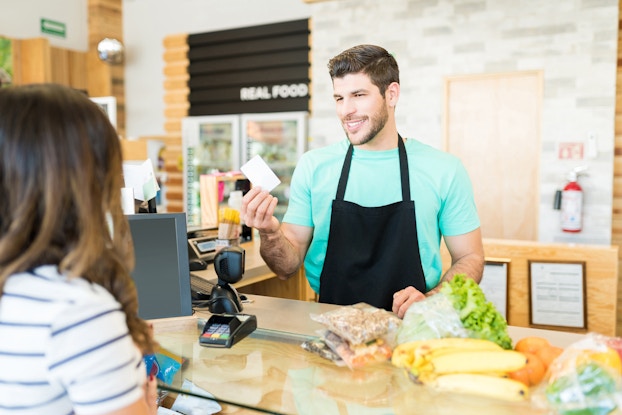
x=70, y=338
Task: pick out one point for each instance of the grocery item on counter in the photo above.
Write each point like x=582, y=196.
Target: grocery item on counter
x=433, y=318
x=463, y=365
x=319, y=347
x=360, y=323
x=359, y=334
x=495, y=387
x=540, y=353
x=358, y=355
x=460, y=309
x=478, y=315
x=590, y=390
x=585, y=379
x=532, y=373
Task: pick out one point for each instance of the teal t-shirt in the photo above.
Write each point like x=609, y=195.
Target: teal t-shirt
x=440, y=187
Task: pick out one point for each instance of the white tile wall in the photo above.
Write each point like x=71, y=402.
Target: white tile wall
x=573, y=41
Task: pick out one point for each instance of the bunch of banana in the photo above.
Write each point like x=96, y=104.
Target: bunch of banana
x=460, y=365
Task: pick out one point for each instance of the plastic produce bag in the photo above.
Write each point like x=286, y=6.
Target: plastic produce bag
x=586, y=379
x=433, y=318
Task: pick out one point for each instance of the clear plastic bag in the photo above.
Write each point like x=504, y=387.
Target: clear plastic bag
x=360, y=323
x=359, y=355
x=585, y=379
x=433, y=318
x=319, y=347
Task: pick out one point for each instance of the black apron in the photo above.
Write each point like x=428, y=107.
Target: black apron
x=372, y=252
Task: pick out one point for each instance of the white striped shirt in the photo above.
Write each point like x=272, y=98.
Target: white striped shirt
x=64, y=348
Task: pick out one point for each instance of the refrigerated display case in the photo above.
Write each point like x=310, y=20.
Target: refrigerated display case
x=220, y=144
x=280, y=139
x=210, y=145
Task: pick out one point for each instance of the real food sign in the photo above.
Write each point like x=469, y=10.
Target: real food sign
x=250, y=70
x=274, y=92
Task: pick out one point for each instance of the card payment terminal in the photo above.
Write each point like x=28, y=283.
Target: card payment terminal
x=225, y=330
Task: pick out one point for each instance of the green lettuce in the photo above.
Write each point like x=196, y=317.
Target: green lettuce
x=478, y=315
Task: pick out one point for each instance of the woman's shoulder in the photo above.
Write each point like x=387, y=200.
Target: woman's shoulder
x=45, y=284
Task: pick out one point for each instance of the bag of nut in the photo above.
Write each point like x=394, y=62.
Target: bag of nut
x=360, y=334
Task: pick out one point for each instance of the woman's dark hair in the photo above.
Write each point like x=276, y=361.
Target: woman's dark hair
x=374, y=61
x=60, y=193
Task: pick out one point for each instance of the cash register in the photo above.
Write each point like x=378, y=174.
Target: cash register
x=202, y=244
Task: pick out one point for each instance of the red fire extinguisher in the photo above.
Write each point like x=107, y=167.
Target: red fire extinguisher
x=572, y=202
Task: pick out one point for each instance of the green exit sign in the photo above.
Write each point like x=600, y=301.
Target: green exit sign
x=52, y=27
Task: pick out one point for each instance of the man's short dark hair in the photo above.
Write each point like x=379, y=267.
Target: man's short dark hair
x=372, y=60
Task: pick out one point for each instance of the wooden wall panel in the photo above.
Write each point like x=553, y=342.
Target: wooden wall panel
x=175, y=108
x=31, y=61
x=68, y=68
x=78, y=77
x=35, y=61
x=59, y=65
x=616, y=229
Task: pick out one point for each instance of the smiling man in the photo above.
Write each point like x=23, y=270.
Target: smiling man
x=366, y=215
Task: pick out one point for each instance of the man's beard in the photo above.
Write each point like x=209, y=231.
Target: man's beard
x=376, y=124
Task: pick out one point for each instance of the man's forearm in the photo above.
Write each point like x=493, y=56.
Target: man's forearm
x=471, y=265
x=279, y=254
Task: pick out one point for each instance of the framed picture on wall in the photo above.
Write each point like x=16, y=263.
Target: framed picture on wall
x=109, y=106
x=495, y=283
x=557, y=292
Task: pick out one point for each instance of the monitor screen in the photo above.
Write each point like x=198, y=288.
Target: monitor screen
x=161, y=273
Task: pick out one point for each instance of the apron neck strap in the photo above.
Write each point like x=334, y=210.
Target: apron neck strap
x=405, y=178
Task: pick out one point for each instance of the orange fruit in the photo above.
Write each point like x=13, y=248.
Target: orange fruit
x=531, y=344
x=532, y=373
x=549, y=353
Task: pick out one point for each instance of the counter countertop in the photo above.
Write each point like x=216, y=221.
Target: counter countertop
x=293, y=316
x=271, y=371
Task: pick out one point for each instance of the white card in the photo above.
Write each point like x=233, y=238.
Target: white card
x=259, y=173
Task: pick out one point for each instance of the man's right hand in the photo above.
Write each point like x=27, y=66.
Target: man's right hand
x=258, y=210
x=283, y=246
x=404, y=299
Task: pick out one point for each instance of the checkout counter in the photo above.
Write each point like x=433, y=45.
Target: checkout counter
x=269, y=371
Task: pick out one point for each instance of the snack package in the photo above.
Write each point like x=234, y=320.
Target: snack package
x=433, y=318
x=358, y=355
x=163, y=365
x=586, y=379
x=319, y=347
x=360, y=323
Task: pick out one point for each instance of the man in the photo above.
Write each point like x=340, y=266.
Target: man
x=378, y=240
